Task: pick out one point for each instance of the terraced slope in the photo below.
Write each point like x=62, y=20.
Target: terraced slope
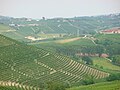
x=30, y=66
x=4, y=41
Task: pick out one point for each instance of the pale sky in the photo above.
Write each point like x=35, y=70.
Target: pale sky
x=57, y=8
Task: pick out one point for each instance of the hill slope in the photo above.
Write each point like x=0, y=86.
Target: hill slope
x=11, y=32
x=28, y=65
x=75, y=26
x=115, y=85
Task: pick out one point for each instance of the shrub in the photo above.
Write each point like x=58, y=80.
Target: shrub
x=55, y=86
x=88, y=60
x=113, y=77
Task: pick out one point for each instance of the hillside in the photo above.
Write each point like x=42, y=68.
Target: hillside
x=115, y=85
x=4, y=41
x=11, y=32
x=28, y=65
x=64, y=26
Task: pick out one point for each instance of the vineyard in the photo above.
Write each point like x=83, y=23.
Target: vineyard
x=32, y=66
x=21, y=27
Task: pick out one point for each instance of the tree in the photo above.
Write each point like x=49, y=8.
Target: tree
x=88, y=60
x=55, y=86
x=99, y=49
x=113, y=77
x=88, y=80
x=116, y=59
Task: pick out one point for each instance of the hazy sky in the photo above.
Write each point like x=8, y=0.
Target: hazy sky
x=57, y=8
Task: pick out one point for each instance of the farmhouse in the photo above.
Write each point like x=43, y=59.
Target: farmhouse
x=111, y=31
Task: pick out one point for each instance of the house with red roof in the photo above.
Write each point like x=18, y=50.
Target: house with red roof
x=111, y=31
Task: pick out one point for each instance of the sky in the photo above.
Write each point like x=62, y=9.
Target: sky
x=57, y=8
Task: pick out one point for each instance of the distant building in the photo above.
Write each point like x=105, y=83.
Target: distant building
x=111, y=31
x=34, y=38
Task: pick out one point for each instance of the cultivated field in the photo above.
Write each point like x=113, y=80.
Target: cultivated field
x=31, y=66
x=67, y=40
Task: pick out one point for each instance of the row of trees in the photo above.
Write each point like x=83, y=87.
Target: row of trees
x=115, y=59
x=112, y=77
x=72, y=50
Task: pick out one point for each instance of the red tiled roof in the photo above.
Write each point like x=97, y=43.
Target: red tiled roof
x=111, y=30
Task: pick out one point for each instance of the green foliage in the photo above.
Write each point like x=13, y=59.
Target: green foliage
x=113, y=49
x=35, y=67
x=105, y=64
x=116, y=59
x=55, y=86
x=87, y=60
x=88, y=80
x=85, y=25
x=10, y=88
x=4, y=27
x=112, y=77
x=110, y=42
x=114, y=85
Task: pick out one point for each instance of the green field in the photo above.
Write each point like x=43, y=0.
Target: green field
x=81, y=42
x=4, y=27
x=105, y=63
x=115, y=85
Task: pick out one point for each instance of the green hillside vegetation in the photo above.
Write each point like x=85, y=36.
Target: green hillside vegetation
x=4, y=27
x=33, y=66
x=115, y=85
x=67, y=52
x=4, y=41
x=9, y=88
x=11, y=32
x=107, y=39
x=81, y=42
x=104, y=63
x=111, y=43
x=69, y=26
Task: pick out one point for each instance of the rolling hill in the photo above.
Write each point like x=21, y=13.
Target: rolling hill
x=70, y=26
x=29, y=66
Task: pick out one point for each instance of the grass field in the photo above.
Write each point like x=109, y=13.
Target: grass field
x=115, y=85
x=67, y=40
x=50, y=35
x=105, y=63
x=4, y=27
x=81, y=42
